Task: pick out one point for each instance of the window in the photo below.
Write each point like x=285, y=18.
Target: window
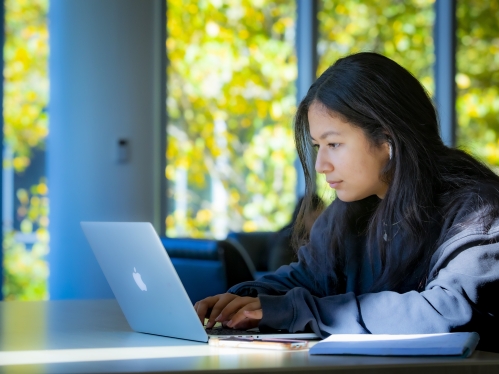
x=477, y=79
x=25, y=201
x=230, y=100
x=400, y=30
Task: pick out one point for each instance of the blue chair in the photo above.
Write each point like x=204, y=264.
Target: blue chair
x=208, y=267
x=257, y=245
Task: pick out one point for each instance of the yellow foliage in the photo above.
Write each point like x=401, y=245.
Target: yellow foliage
x=170, y=221
x=382, y=26
x=250, y=226
x=25, y=128
x=463, y=81
x=25, y=78
x=231, y=76
x=25, y=271
x=26, y=226
x=23, y=196
x=477, y=82
x=20, y=163
x=204, y=216
x=42, y=189
x=35, y=201
x=170, y=172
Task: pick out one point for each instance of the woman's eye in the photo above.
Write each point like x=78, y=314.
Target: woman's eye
x=330, y=145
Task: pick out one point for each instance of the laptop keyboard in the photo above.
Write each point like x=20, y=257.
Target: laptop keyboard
x=226, y=331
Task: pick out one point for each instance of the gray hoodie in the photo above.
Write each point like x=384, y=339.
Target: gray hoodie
x=461, y=292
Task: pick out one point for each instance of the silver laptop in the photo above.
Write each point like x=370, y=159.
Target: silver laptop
x=147, y=286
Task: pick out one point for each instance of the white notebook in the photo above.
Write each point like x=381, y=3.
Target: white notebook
x=445, y=344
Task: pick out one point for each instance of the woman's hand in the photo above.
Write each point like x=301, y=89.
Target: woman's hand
x=231, y=310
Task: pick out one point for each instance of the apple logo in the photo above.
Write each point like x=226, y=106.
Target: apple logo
x=138, y=280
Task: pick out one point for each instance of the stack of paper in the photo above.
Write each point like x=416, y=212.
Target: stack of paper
x=446, y=344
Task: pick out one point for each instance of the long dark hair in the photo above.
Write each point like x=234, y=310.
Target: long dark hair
x=426, y=179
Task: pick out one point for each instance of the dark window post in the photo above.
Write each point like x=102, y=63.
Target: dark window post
x=306, y=51
x=2, y=35
x=445, y=68
x=163, y=200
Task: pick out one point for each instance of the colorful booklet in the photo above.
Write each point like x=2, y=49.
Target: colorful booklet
x=446, y=344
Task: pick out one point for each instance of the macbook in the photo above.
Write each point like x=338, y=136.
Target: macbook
x=147, y=287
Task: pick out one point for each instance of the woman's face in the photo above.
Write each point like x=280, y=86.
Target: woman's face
x=352, y=165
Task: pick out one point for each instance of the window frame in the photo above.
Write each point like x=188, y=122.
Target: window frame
x=2, y=43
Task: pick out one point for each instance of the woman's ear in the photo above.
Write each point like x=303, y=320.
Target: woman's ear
x=389, y=142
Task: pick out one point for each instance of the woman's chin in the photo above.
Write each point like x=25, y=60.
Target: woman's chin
x=345, y=197
x=348, y=197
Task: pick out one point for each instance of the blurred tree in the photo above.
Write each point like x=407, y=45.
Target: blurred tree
x=25, y=269
x=25, y=78
x=25, y=129
x=477, y=78
x=231, y=100
x=400, y=30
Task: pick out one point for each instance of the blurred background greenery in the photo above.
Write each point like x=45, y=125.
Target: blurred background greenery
x=25, y=192
x=231, y=96
x=230, y=99
x=477, y=79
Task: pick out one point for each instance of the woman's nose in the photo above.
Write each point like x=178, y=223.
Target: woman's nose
x=322, y=162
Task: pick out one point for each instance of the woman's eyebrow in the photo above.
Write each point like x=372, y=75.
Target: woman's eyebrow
x=327, y=133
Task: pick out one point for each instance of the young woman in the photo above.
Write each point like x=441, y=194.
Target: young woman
x=409, y=245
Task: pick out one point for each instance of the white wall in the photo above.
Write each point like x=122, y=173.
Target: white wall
x=105, y=74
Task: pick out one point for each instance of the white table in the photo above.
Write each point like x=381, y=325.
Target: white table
x=93, y=336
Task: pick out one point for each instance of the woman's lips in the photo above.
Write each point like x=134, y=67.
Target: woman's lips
x=334, y=184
